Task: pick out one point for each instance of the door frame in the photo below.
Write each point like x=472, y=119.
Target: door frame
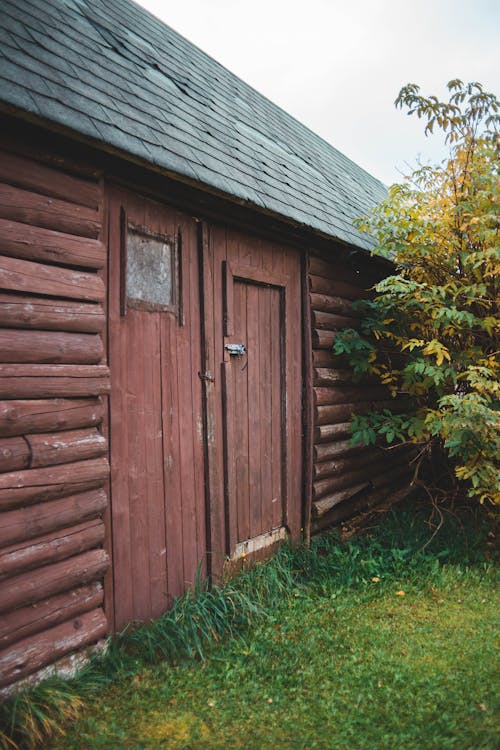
x=236, y=271
x=212, y=279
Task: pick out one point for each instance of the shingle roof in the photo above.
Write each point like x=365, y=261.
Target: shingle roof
x=110, y=71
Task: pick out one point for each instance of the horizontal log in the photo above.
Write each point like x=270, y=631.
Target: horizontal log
x=323, y=339
x=31, y=521
x=51, y=347
x=326, y=451
x=361, y=503
x=25, y=276
x=35, y=243
x=328, y=304
x=37, y=485
x=326, y=358
x=49, y=415
x=324, y=415
x=330, y=322
x=386, y=469
x=329, y=376
x=320, y=507
x=35, y=652
x=53, y=474
x=63, y=447
x=35, y=586
x=43, y=313
x=46, y=381
x=345, y=395
x=338, y=466
x=31, y=175
x=327, y=432
x=14, y=454
x=341, y=271
x=25, y=621
x=67, y=543
x=44, y=211
x=343, y=289
x=328, y=486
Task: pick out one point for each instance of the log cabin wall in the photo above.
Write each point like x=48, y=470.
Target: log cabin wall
x=345, y=478
x=53, y=381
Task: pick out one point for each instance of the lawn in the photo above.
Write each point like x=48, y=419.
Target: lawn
x=366, y=644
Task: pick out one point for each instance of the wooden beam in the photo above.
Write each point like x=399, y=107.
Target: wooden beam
x=20, y=417
x=37, y=585
x=44, y=313
x=14, y=454
x=51, y=213
x=328, y=304
x=328, y=432
x=35, y=485
x=35, y=652
x=38, y=278
x=39, y=617
x=38, y=553
x=45, y=245
x=320, y=507
x=46, y=381
x=25, y=523
x=31, y=175
x=320, y=285
x=333, y=322
x=54, y=347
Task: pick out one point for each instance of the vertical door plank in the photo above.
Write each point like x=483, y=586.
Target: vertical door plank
x=266, y=296
x=254, y=409
x=192, y=308
x=120, y=514
x=278, y=383
x=240, y=371
x=228, y=385
x=173, y=489
x=211, y=358
x=139, y=339
x=186, y=455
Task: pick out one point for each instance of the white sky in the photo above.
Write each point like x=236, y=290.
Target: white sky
x=338, y=65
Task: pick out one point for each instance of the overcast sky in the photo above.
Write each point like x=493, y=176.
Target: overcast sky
x=337, y=65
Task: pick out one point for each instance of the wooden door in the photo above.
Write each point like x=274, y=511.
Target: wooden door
x=157, y=466
x=254, y=407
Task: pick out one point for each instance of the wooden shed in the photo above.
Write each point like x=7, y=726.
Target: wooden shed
x=176, y=254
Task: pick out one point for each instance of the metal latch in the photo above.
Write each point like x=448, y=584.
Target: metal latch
x=235, y=350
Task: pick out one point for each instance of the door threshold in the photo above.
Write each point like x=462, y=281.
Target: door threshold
x=259, y=542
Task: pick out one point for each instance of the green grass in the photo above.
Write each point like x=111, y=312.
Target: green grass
x=331, y=658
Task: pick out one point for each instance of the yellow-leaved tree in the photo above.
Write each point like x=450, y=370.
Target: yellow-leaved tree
x=438, y=313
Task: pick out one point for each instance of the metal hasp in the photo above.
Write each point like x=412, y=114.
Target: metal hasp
x=235, y=350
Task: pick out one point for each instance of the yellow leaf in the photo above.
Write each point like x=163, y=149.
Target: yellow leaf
x=400, y=593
